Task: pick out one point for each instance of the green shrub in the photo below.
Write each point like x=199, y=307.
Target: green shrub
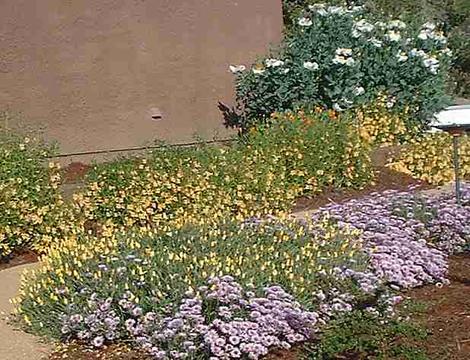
x=454, y=15
x=29, y=196
x=340, y=58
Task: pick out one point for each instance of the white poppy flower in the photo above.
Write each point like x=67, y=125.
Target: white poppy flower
x=320, y=9
x=365, y=26
x=336, y=10
x=317, y=6
x=305, y=22
x=343, y=56
x=447, y=52
x=237, y=68
x=339, y=60
x=402, y=56
x=434, y=69
x=416, y=52
x=393, y=35
x=359, y=90
x=337, y=107
x=380, y=24
x=362, y=26
x=310, y=65
x=357, y=8
x=258, y=71
x=423, y=35
x=375, y=42
x=429, y=26
x=343, y=52
x=396, y=24
x=274, y=62
x=430, y=62
x=391, y=102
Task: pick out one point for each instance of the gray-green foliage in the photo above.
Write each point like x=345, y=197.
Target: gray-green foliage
x=338, y=57
x=454, y=15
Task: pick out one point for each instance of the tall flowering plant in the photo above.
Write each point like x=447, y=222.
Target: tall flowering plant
x=31, y=206
x=337, y=57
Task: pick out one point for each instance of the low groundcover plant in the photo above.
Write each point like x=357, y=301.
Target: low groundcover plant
x=260, y=175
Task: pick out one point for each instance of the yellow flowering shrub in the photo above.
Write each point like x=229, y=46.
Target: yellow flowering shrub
x=30, y=201
x=263, y=175
x=156, y=269
x=378, y=125
x=430, y=158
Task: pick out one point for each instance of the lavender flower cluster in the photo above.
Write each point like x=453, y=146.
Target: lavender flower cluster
x=221, y=319
x=407, y=236
x=97, y=324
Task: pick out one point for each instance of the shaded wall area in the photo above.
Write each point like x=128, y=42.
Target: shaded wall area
x=92, y=73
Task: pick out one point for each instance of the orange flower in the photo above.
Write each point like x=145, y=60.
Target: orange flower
x=332, y=114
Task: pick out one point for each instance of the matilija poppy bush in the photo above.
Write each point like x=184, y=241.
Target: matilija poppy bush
x=339, y=58
x=288, y=279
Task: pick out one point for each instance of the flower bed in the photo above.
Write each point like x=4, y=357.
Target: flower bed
x=408, y=236
x=287, y=279
x=175, y=186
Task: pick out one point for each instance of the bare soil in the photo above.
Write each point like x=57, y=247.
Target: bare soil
x=385, y=179
x=447, y=316
x=75, y=172
x=76, y=351
x=18, y=258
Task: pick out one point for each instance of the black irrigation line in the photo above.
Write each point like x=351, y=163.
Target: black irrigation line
x=140, y=148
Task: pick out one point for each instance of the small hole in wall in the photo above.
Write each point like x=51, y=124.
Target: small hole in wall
x=156, y=114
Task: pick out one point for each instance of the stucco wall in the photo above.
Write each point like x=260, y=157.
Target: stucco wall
x=92, y=71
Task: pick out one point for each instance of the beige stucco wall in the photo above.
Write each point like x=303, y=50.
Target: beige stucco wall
x=90, y=72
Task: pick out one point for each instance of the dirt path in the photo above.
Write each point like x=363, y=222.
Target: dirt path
x=16, y=344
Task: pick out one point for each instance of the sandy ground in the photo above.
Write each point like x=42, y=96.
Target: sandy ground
x=16, y=344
